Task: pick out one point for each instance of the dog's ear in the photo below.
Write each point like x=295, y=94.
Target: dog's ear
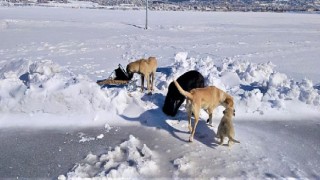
x=229, y=102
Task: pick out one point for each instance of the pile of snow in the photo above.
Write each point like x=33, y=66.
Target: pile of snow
x=57, y=96
x=5, y=3
x=46, y=87
x=131, y=159
x=183, y=165
x=43, y=87
x=255, y=87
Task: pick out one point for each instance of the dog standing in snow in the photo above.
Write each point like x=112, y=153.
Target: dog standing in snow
x=207, y=98
x=225, y=128
x=188, y=81
x=147, y=68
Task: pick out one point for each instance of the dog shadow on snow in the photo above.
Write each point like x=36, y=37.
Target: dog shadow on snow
x=157, y=119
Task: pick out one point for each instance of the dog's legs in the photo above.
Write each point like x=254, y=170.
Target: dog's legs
x=196, y=119
x=230, y=142
x=221, y=139
x=148, y=83
x=210, y=111
x=142, y=82
x=189, y=119
x=177, y=106
x=152, y=80
x=189, y=111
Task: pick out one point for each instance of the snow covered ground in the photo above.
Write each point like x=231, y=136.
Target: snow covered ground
x=56, y=122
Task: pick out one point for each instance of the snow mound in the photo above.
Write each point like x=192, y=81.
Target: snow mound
x=183, y=165
x=131, y=159
x=46, y=87
x=256, y=87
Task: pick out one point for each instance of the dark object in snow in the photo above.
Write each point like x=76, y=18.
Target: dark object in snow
x=121, y=78
x=121, y=74
x=188, y=81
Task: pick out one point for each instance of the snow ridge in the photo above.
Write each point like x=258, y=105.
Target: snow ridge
x=45, y=87
x=131, y=159
x=254, y=86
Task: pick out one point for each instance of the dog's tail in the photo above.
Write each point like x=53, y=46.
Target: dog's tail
x=231, y=138
x=183, y=92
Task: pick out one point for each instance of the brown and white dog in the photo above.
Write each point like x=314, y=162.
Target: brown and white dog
x=225, y=128
x=147, y=68
x=207, y=98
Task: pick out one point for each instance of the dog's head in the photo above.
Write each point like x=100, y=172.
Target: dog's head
x=229, y=111
x=228, y=102
x=130, y=70
x=171, y=106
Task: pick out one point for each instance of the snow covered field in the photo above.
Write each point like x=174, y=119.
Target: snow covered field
x=55, y=121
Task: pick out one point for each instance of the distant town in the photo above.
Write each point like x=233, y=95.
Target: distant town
x=191, y=5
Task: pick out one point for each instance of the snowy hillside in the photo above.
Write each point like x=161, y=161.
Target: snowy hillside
x=51, y=59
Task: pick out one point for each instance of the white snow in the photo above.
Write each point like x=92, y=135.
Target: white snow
x=100, y=136
x=51, y=58
x=131, y=159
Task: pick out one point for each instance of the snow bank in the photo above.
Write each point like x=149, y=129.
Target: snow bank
x=46, y=87
x=131, y=159
x=43, y=87
x=256, y=87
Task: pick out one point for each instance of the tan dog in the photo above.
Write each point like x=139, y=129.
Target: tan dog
x=207, y=98
x=147, y=68
x=225, y=128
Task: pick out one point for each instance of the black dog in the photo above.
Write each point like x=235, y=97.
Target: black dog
x=188, y=81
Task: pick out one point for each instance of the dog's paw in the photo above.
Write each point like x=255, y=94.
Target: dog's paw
x=211, y=125
x=209, y=122
x=191, y=139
